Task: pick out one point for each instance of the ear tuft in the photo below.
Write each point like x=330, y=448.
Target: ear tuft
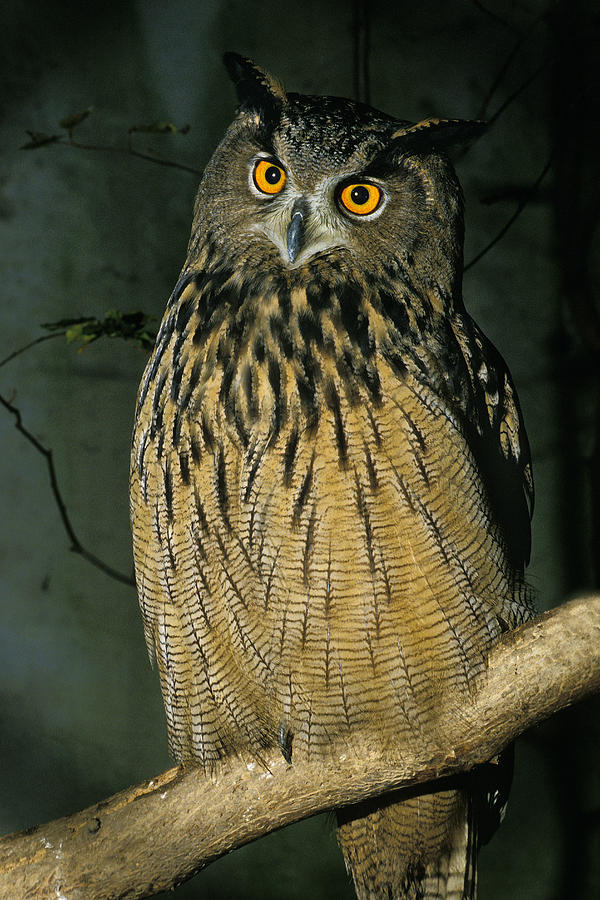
x=432, y=134
x=256, y=89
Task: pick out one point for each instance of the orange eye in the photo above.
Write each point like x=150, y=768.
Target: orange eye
x=268, y=177
x=361, y=199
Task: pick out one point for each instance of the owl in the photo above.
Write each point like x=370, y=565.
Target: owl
x=330, y=481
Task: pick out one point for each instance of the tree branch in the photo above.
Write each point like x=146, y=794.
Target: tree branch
x=159, y=833
x=76, y=545
x=527, y=196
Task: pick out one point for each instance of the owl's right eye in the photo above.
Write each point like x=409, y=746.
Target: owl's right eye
x=268, y=177
x=361, y=199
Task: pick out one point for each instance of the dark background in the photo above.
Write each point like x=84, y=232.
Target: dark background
x=83, y=231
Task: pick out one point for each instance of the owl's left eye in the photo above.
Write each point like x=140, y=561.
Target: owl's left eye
x=268, y=177
x=361, y=198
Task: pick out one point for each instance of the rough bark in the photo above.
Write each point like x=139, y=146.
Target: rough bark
x=159, y=833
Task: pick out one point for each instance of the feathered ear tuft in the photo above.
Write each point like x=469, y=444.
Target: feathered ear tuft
x=256, y=89
x=442, y=134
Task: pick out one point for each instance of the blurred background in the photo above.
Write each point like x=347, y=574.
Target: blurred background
x=91, y=227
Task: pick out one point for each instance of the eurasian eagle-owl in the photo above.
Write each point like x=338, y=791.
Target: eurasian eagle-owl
x=330, y=481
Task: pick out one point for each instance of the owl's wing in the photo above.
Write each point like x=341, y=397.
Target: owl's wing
x=493, y=425
x=494, y=428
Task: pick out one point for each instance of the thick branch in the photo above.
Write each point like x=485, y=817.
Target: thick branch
x=152, y=836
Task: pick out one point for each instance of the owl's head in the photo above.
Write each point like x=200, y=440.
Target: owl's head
x=299, y=177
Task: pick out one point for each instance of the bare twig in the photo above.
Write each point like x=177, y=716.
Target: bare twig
x=38, y=340
x=521, y=206
x=130, y=151
x=513, y=53
x=517, y=92
x=493, y=15
x=152, y=836
x=501, y=74
x=40, y=139
x=76, y=545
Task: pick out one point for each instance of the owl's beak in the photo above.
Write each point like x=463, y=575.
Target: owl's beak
x=296, y=229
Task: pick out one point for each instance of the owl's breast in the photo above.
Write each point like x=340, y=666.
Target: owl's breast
x=341, y=549
x=314, y=545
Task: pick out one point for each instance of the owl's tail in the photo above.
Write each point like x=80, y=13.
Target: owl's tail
x=422, y=848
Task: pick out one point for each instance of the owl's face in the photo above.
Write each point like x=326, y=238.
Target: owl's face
x=299, y=177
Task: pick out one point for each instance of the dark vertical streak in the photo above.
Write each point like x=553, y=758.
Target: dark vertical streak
x=191, y=385
x=306, y=382
x=269, y=583
x=157, y=407
x=168, y=487
x=221, y=486
x=354, y=320
x=386, y=581
x=176, y=361
x=344, y=698
x=240, y=425
x=363, y=512
x=195, y=448
x=251, y=530
x=305, y=620
x=202, y=520
x=289, y=456
x=160, y=444
x=141, y=452
x=184, y=313
x=333, y=402
x=158, y=389
x=226, y=380
x=184, y=467
x=302, y=495
x=370, y=648
x=310, y=327
x=207, y=433
x=176, y=380
x=244, y=552
x=395, y=310
x=164, y=541
x=200, y=551
x=248, y=389
x=415, y=430
x=252, y=471
x=284, y=739
x=176, y=433
x=421, y=445
x=404, y=490
x=374, y=426
x=308, y=545
x=203, y=611
x=283, y=631
x=371, y=471
x=274, y=372
x=328, y=588
x=162, y=341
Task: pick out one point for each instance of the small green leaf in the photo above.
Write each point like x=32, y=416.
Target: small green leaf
x=78, y=333
x=128, y=326
x=71, y=121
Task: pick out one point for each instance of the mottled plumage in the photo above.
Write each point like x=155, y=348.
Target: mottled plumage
x=330, y=477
